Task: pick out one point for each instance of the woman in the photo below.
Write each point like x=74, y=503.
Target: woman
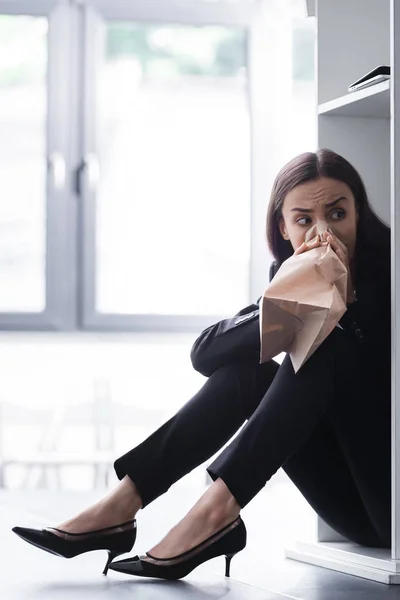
x=328, y=426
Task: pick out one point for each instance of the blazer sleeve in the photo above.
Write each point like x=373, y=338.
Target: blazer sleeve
x=229, y=340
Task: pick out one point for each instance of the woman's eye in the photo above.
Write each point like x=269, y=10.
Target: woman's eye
x=338, y=210
x=302, y=218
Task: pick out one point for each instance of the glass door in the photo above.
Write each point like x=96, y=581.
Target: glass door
x=166, y=178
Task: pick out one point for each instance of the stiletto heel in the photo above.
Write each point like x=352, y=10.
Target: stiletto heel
x=111, y=556
x=227, y=541
x=228, y=559
x=117, y=540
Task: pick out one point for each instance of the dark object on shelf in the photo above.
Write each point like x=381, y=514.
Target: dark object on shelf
x=380, y=73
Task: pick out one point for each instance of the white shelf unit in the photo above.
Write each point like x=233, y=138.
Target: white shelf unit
x=353, y=37
x=372, y=102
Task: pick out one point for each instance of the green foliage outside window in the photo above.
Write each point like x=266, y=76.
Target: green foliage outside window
x=183, y=50
x=161, y=50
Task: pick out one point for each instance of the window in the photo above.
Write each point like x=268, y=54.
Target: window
x=138, y=143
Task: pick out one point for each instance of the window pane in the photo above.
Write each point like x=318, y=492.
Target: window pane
x=173, y=131
x=23, y=68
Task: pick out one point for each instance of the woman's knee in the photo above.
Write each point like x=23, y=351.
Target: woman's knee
x=251, y=379
x=339, y=348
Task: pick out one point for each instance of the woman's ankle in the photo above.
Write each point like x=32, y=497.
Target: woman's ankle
x=218, y=504
x=125, y=499
x=129, y=495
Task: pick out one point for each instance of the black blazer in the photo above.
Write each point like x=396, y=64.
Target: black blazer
x=367, y=320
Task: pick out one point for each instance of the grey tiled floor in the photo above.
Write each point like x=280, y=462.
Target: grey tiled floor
x=275, y=518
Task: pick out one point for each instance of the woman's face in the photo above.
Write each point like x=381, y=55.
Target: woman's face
x=324, y=199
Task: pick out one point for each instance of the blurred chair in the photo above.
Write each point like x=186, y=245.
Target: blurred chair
x=47, y=457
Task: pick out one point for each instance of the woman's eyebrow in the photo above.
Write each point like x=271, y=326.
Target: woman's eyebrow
x=326, y=205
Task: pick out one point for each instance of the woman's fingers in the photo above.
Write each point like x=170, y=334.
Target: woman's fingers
x=308, y=245
x=341, y=251
x=301, y=248
x=339, y=248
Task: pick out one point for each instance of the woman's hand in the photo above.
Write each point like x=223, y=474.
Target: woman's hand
x=340, y=249
x=314, y=243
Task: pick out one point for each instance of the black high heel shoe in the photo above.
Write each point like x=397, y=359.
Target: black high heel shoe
x=229, y=540
x=119, y=539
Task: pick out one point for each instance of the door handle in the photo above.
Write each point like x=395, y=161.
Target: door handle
x=57, y=169
x=91, y=171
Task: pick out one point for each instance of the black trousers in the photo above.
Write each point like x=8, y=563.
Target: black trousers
x=328, y=426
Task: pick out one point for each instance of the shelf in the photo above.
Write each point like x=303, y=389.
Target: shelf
x=372, y=102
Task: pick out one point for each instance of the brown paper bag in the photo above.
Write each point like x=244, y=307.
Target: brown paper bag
x=303, y=303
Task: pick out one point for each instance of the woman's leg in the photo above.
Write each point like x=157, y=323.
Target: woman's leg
x=321, y=472
x=351, y=445
x=363, y=430
x=196, y=432
x=290, y=411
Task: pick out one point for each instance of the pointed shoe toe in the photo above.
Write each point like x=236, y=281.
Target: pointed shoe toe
x=125, y=561
x=117, y=540
x=24, y=532
x=129, y=566
x=37, y=537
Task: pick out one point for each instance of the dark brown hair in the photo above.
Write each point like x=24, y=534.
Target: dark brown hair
x=373, y=235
